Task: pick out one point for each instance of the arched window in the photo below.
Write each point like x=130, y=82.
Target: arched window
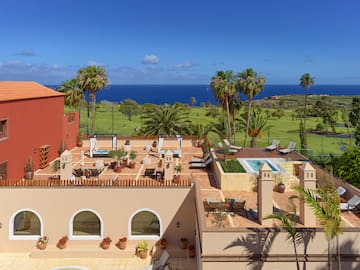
x=145, y=224
x=25, y=224
x=86, y=225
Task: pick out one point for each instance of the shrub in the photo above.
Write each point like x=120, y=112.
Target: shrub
x=232, y=166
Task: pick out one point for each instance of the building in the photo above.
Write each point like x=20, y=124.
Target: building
x=32, y=126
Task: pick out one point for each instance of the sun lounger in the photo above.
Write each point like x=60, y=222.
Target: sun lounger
x=164, y=258
x=234, y=147
x=200, y=160
x=289, y=149
x=274, y=145
x=350, y=204
x=340, y=191
x=238, y=206
x=199, y=165
x=150, y=172
x=229, y=150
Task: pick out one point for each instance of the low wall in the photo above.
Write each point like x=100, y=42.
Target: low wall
x=115, y=206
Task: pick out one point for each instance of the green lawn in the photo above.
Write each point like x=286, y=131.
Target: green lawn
x=284, y=129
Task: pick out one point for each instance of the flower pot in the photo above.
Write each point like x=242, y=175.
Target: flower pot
x=281, y=188
x=121, y=244
x=41, y=245
x=118, y=169
x=163, y=243
x=191, y=251
x=142, y=254
x=184, y=243
x=79, y=144
x=105, y=243
x=29, y=175
x=132, y=164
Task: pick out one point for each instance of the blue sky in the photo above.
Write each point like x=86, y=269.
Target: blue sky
x=180, y=41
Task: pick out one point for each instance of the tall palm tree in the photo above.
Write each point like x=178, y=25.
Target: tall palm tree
x=92, y=79
x=250, y=84
x=224, y=89
x=165, y=120
x=306, y=81
x=325, y=204
x=288, y=224
x=73, y=94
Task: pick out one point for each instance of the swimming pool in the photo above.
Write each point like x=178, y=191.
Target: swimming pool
x=252, y=165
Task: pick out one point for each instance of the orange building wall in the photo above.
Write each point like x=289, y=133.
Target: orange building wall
x=33, y=123
x=70, y=129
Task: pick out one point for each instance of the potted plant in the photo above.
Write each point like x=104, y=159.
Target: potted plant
x=160, y=163
x=117, y=155
x=178, y=169
x=61, y=244
x=79, y=139
x=121, y=244
x=132, y=157
x=163, y=243
x=142, y=249
x=184, y=243
x=105, y=243
x=56, y=165
x=280, y=184
x=29, y=169
x=191, y=250
x=42, y=242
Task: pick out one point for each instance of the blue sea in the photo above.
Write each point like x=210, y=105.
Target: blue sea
x=160, y=94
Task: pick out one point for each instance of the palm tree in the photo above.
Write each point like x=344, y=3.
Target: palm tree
x=92, y=79
x=73, y=94
x=325, y=204
x=165, y=120
x=224, y=89
x=306, y=81
x=288, y=224
x=258, y=122
x=250, y=84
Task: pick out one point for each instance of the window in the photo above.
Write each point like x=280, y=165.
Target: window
x=145, y=224
x=3, y=170
x=86, y=224
x=25, y=224
x=3, y=129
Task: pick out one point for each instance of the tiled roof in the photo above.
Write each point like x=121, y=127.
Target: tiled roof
x=11, y=90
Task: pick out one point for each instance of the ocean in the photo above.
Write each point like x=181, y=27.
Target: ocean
x=161, y=94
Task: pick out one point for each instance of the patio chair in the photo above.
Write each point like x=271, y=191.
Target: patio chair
x=274, y=145
x=234, y=147
x=238, y=206
x=150, y=172
x=198, y=165
x=200, y=160
x=290, y=148
x=211, y=205
x=351, y=204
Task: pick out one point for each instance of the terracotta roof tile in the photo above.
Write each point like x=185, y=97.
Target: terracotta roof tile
x=11, y=90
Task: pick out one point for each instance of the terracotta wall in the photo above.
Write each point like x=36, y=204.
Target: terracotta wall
x=70, y=129
x=31, y=124
x=56, y=206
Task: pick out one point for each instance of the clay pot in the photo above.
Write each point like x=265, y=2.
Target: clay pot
x=121, y=244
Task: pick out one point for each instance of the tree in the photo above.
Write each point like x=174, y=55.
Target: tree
x=224, y=89
x=258, y=121
x=129, y=108
x=73, y=94
x=192, y=101
x=325, y=204
x=354, y=115
x=347, y=166
x=91, y=80
x=165, y=120
x=250, y=84
x=306, y=81
x=326, y=108
x=288, y=224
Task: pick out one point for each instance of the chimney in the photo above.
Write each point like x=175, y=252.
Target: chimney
x=265, y=190
x=307, y=182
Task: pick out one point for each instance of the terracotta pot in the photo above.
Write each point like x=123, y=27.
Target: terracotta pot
x=29, y=175
x=121, y=244
x=79, y=144
x=118, y=169
x=281, y=188
x=142, y=254
x=183, y=243
x=61, y=245
x=105, y=245
x=132, y=165
x=191, y=252
x=41, y=245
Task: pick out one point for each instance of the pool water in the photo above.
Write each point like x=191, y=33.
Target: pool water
x=252, y=165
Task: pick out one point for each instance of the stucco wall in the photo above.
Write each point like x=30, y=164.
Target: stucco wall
x=115, y=206
x=31, y=124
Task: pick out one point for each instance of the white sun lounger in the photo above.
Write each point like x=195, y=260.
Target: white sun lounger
x=340, y=190
x=200, y=160
x=350, y=204
x=228, y=144
x=196, y=165
x=230, y=151
x=275, y=144
x=289, y=149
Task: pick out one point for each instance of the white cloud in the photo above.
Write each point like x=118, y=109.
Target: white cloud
x=151, y=59
x=185, y=65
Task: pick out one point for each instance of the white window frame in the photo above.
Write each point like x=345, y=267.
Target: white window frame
x=24, y=237
x=86, y=237
x=144, y=237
